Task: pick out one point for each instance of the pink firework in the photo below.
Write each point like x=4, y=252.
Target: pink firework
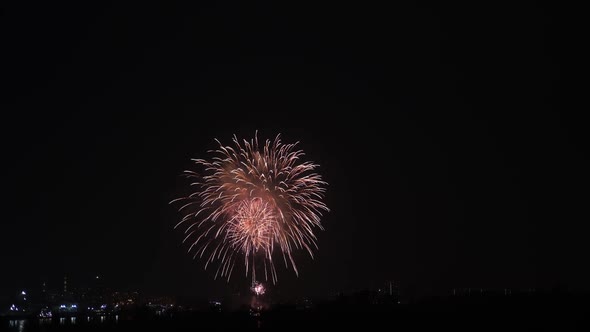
x=258, y=288
x=251, y=202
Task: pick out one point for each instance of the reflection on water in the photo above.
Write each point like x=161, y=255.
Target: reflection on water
x=44, y=321
x=17, y=324
x=36, y=324
x=64, y=320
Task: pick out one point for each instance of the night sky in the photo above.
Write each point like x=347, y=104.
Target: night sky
x=448, y=136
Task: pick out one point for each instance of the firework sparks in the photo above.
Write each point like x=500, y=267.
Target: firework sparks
x=250, y=202
x=258, y=288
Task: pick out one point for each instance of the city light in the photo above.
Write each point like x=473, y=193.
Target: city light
x=45, y=313
x=23, y=293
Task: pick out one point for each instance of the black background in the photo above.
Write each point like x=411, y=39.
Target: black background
x=449, y=137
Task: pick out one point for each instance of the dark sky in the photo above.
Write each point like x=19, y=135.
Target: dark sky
x=449, y=137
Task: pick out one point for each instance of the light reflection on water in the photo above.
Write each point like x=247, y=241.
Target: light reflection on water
x=44, y=321
x=34, y=324
x=17, y=324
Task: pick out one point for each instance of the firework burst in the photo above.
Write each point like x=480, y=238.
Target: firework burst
x=258, y=288
x=252, y=202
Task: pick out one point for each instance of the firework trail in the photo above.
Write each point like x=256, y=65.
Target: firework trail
x=251, y=201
